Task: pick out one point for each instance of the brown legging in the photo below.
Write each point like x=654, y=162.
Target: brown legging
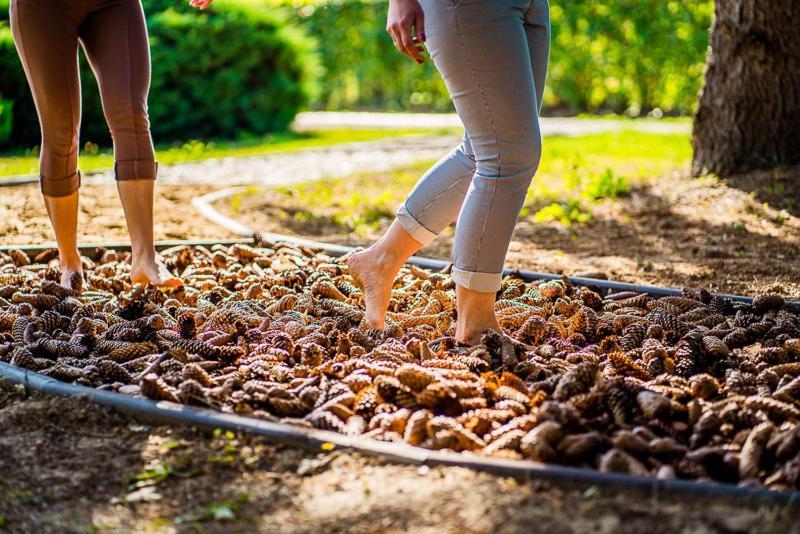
x=114, y=36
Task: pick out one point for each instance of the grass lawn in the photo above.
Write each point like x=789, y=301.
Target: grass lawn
x=93, y=159
x=574, y=173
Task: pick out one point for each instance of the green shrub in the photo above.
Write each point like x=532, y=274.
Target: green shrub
x=6, y=118
x=14, y=88
x=233, y=70
x=363, y=70
x=227, y=71
x=629, y=55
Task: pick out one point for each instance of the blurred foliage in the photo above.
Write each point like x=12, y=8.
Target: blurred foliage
x=571, y=211
x=363, y=70
x=241, y=67
x=234, y=70
x=6, y=118
x=627, y=56
x=606, y=185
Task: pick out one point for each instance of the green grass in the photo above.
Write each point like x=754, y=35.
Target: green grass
x=578, y=171
x=94, y=159
x=641, y=119
x=575, y=173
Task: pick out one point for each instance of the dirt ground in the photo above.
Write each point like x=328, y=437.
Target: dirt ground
x=23, y=219
x=72, y=467
x=66, y=466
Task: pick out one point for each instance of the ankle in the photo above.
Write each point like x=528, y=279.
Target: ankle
x=470, y=331
x=477, y=324
x=387, y=259
x=70, y=262
x=143, y=255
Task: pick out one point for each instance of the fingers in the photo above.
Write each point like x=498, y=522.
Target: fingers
x=410, y=46
x=200, y=4
x=402, y=26
x=405, y=42
x=419, y=26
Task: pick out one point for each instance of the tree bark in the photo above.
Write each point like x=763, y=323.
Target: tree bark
x=748, y=111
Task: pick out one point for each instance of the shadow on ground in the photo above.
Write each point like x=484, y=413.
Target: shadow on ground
x=779, y=188
x=69, y=466
x=713, y=241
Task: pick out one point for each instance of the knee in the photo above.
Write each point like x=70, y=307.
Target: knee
x=514, y=160
x=58, y=174
x=466, y=153
x=523, y=157
x=133, y=147
x=127, y=118
x=59, y=138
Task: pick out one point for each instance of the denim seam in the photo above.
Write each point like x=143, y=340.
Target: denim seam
x=494, y=131
x=130, y=87
x=437, y=197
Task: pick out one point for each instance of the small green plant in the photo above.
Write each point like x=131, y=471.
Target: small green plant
x=153, y=474
x=606, y=185
x=567, y=213
x=781, y=217
x=219, y=511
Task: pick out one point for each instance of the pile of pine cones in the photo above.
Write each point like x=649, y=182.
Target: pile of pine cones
x=695, y=386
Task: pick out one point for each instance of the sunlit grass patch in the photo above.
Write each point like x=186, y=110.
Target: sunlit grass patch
x=575, y=173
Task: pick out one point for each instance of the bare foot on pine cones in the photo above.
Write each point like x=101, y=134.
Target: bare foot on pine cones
x=375, y=279
x=72, y=277
x=153, y=271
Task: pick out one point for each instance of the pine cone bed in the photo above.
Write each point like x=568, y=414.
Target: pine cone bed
x=693, y=386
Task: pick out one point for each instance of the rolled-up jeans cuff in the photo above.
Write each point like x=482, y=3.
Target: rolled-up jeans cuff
x=480, y=282
x=420, y=234
x=60, y=187
x=136, y=169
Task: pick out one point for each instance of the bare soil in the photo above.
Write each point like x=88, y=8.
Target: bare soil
x=69, y=466
x=23, y=218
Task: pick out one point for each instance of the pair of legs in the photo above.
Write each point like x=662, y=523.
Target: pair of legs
x=493, y=57
x=114, y=36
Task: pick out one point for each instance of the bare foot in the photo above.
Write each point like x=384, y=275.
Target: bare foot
x=375, y=277
x=72, y=276
x=151, y=270
x=470, y=332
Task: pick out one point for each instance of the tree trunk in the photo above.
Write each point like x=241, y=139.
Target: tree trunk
x=748, y=111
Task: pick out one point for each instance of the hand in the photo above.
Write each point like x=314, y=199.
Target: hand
x=406, y=19
x=200, y=4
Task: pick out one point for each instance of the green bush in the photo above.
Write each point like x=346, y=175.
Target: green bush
x=629, y=55
x=14, y=89
x=235, y=69
x=6, y=117
x=363, y=70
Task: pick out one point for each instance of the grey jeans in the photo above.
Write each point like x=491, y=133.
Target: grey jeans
x=493, y=57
